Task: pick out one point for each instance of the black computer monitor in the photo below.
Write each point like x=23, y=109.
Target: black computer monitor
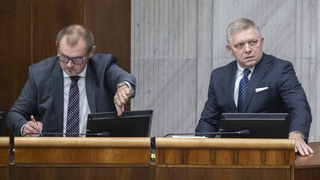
x=260, y=125
x=3, y=123
x=129, y=124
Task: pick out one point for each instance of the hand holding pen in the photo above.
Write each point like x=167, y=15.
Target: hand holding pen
x=32, y=126
x=32, y=118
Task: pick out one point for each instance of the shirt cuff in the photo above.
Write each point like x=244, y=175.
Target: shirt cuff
x=132, y=91
x=21, y=130
x=304, y=138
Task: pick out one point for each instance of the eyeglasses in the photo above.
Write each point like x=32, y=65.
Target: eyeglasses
x=75, y=60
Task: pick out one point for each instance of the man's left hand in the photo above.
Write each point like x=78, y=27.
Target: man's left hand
x=300, y=144
x=121, y=98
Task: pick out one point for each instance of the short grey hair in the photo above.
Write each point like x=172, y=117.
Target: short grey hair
x=75, y=32
x=239, y=25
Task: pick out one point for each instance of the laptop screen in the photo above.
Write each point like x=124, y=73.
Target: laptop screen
x=129, y=124
x=260, y=125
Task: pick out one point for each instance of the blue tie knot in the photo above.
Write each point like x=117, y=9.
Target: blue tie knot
x=246, y=72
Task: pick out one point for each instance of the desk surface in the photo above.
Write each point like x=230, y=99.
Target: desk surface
x=311, y=160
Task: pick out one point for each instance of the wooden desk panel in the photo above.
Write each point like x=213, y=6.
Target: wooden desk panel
x=123, y=158
x=4, y=157
x=225, y=151
x=222, y=172
x=68, y=150
x=308, y=167
x=81, y=171
x=228, y=159
x=81, y=158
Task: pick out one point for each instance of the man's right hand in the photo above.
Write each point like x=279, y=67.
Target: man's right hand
x=121, y=98
x=300, y=144
x=32, y=127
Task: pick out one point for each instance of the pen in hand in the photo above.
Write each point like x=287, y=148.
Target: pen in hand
x=32, y=118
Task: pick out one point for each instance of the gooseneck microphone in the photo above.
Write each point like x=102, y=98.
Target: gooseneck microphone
x=102, y=134
x=243, y=132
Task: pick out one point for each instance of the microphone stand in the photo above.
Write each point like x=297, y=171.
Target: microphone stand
x=244, y=132
x=103, y=134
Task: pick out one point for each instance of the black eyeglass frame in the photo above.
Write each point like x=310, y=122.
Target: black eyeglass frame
x=75, y=60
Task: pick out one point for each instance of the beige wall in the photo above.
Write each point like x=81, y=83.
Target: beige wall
x=175, y=44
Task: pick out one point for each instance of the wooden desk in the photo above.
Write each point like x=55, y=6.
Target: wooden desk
x=176, y=158
x=4, y=157
x=227, y=159
x=81, y=158
x=308, y=167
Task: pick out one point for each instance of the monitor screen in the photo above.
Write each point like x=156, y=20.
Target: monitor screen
x=129, y=124
x=260, y=125
x=2, y=123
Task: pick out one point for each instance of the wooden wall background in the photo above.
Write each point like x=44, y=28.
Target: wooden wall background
x=28, y=30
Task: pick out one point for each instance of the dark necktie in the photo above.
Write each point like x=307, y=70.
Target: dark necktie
x=73, y=108
x=243, y=89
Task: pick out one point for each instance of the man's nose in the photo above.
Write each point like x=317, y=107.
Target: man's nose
x=247, y=48
x=70, y=63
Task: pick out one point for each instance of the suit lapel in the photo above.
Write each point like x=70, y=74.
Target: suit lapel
x=229, y=83
x=57, y=93
x=259, y=71
x=91, y=87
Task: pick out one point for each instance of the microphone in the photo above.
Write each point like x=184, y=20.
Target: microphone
x=243, y=132
x=102, y=134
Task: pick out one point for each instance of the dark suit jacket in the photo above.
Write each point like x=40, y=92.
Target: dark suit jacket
x=284, y=94
x=42, y=95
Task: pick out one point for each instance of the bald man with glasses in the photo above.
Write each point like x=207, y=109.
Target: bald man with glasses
x=101, y=86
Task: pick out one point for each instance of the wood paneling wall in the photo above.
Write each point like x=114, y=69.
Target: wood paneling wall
x=29, y=29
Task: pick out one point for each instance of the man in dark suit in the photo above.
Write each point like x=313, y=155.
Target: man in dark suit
x=102, y=86
x=272, y=86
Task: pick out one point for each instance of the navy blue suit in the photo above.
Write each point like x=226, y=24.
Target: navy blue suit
x=284, y=93
x=42, y=95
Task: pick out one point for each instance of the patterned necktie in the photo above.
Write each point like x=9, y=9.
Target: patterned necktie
x=243, y=89
x=73, y=108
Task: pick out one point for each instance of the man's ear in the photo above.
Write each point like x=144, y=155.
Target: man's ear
x=93, y=49
x=261, y=43
x=57, y=47
x=228, y=47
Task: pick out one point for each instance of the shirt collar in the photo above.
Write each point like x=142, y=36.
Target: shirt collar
x=240, y=70
x=82, y=74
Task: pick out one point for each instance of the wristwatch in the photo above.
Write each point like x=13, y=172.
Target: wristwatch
x=122, y=84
